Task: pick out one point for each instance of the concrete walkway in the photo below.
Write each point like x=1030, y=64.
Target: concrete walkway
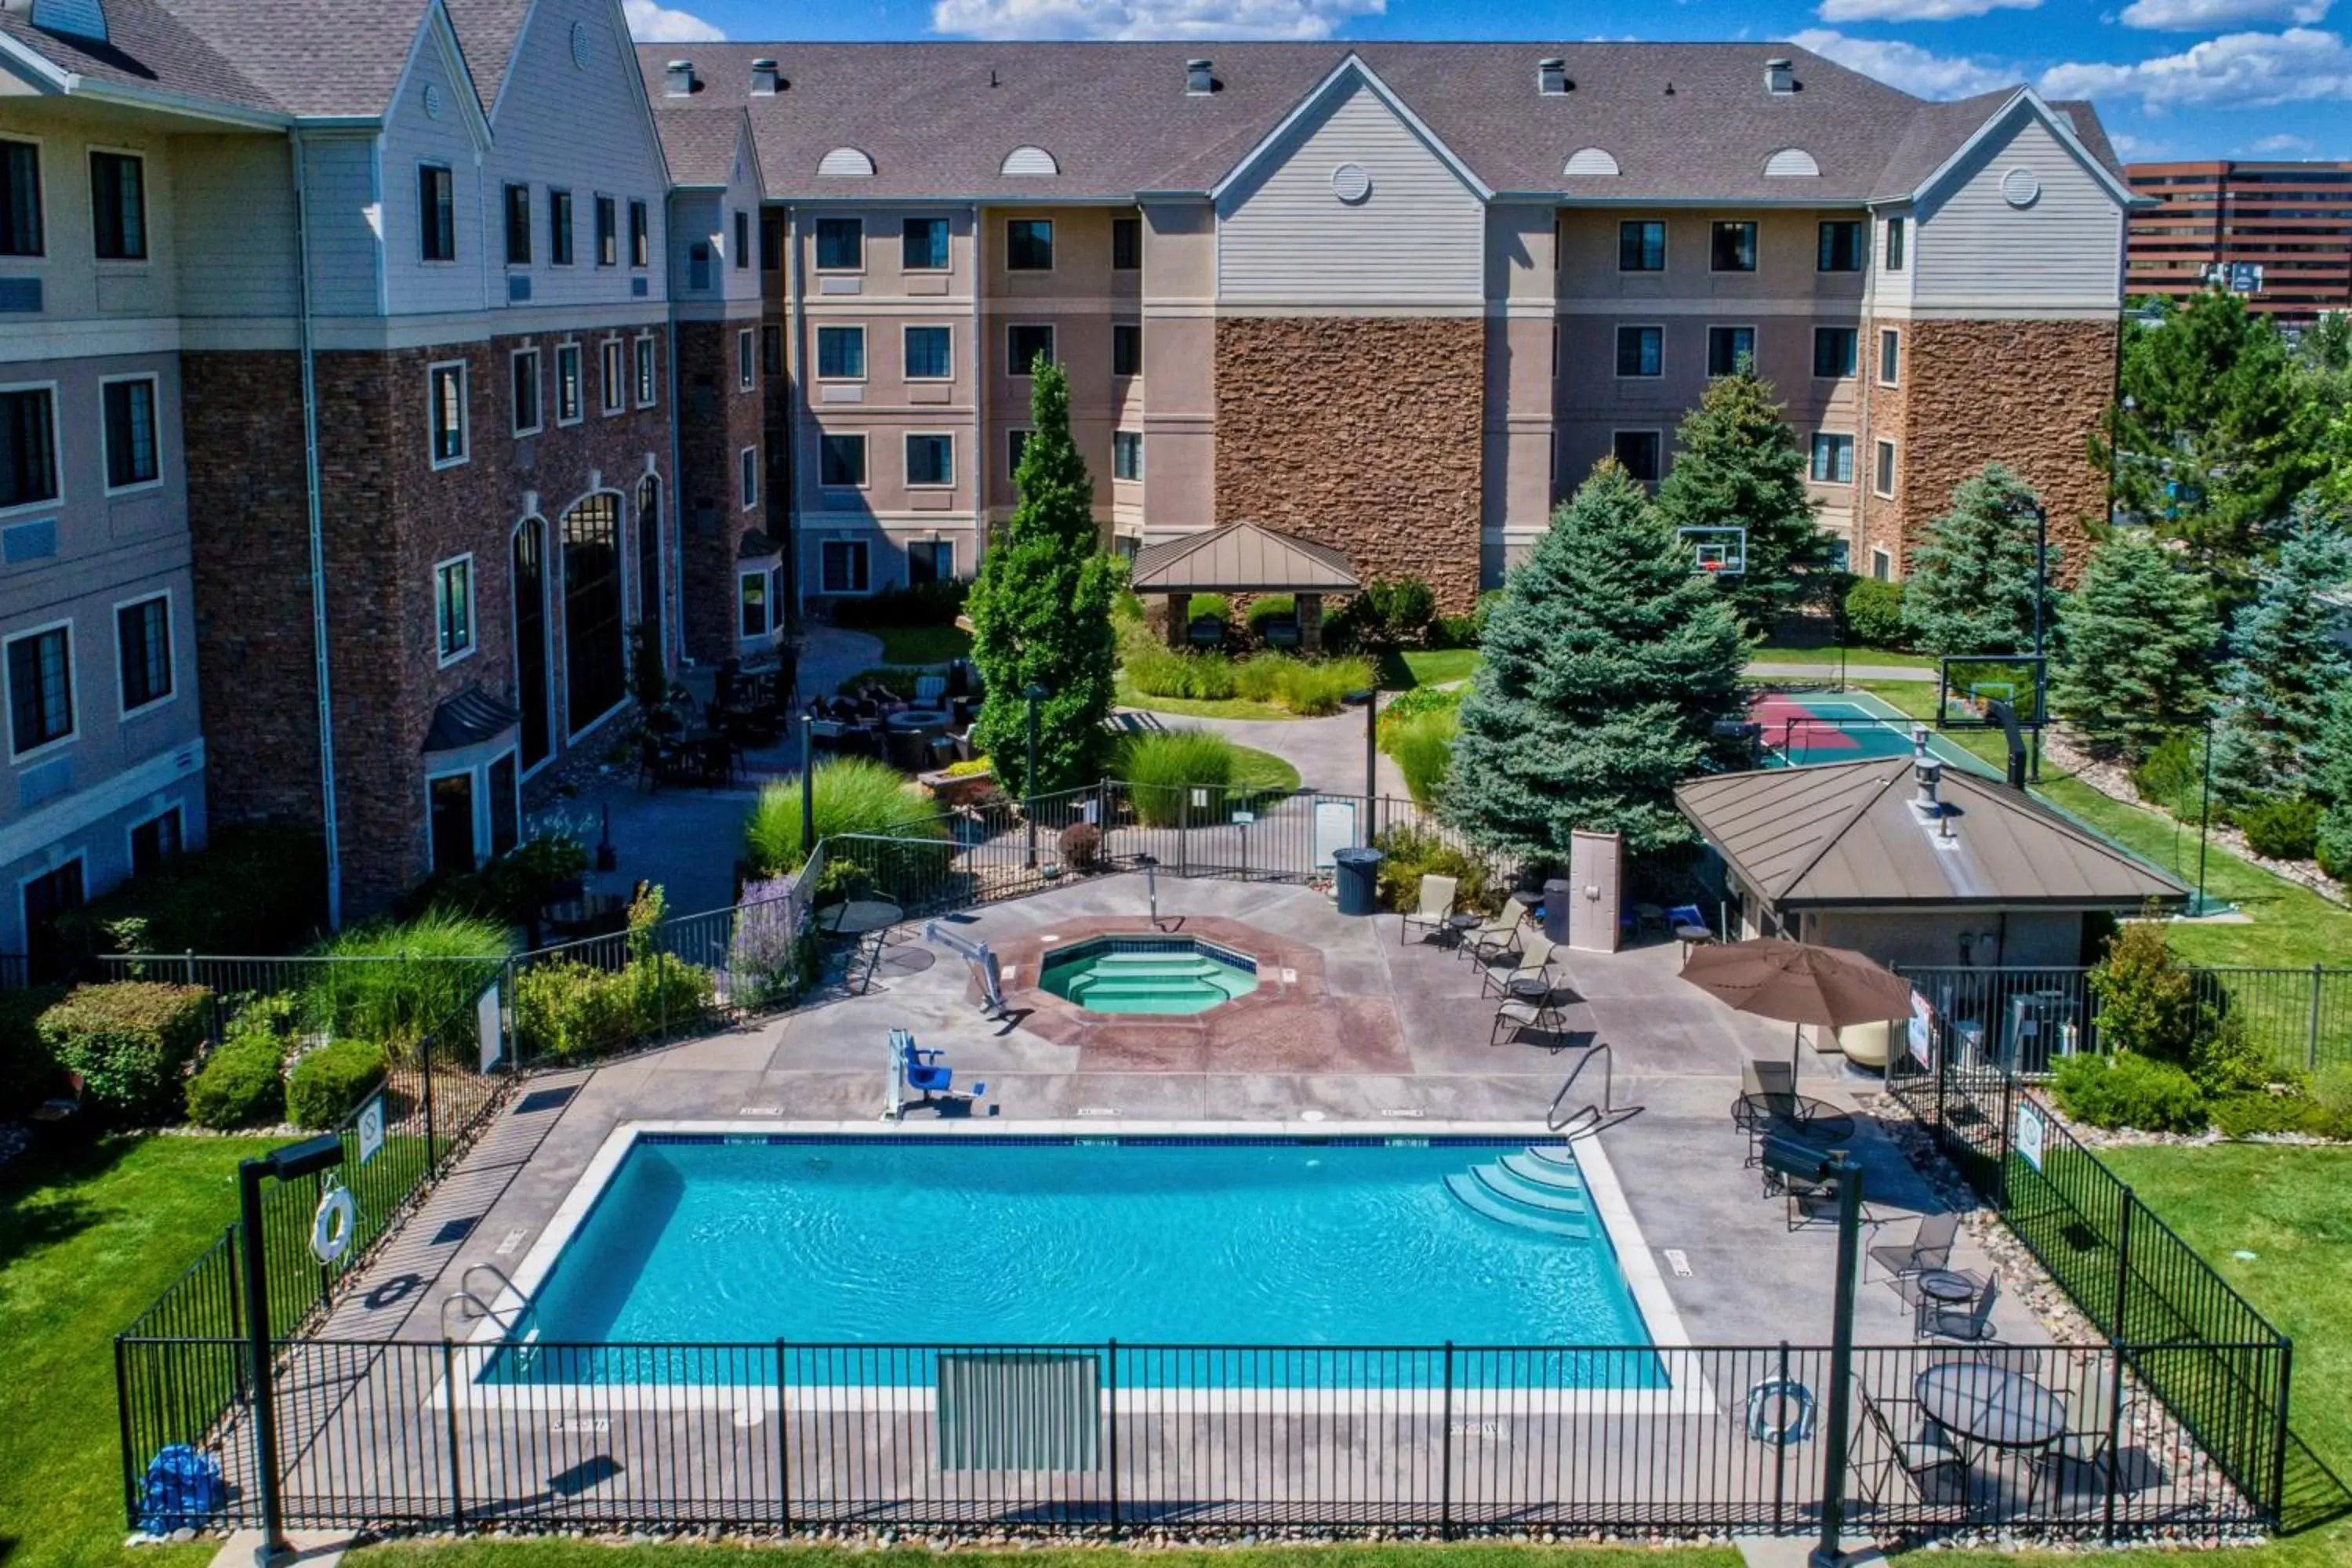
x=1328, y=753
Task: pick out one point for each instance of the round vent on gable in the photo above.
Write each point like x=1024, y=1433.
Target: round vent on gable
x=432, y=102
x=580, y=45
x=1790, y=163
x=1352, y=183
x=1029, y=161
x=2021, y=187
x=1590, y=162
x=845, y=163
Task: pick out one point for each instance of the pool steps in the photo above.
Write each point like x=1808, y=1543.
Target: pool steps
x=1156, y=976
x=1531, y=1191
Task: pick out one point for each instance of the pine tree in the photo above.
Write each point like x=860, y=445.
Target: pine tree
x=1971, y=587
x=2335, y=782
x=1039, y=612
x=2285, y=667
x=1608, y=661
x=1737, y=465
x=2134, y=639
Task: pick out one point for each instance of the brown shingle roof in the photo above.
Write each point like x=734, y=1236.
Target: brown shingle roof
x=699, y=144
x=147, y=47
x=311, y=56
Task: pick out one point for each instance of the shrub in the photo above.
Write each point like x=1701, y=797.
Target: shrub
x=967, y=767
x=2282, y=829
x=29, y=1073
x=1313, y=688
x=767, y=955
x=2257, y=1114
x=567, y=1009
x=2172, y=774
x=1415, y=703
x=1209, y=607
x=851, y=794
x=418, y=975
x=129, y=1039
x=1873, y=612
x=328, y=1084
x=2147, y=1001
x=2228, y=1059
x=254, y=889
x=1082, y=846
x=2333, y=843
x=1423, y=750
x=916, y=604
x=2128, y=1089
x=1269, y=608
x=898, y=680
x=241, y=1084
x=1409, y=854
x=1465, y=631
x=1160, y=766
x=1390, y=613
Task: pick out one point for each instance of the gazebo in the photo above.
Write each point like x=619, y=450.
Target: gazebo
x=1244, y=558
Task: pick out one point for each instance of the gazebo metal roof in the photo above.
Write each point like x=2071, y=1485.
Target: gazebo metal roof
x=1243, y=558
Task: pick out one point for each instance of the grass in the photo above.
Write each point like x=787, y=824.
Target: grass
x=1198, y=707
x=557, y=1553
x=1894, y=658
x=923, y=644
x=89, y=1236
x=1427, y=666
x=1159, y=765
x=853, y=794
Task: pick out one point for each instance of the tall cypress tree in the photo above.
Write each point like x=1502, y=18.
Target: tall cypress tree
x=1039, y=612
x=2133, y=639
x=1608, y=661
x=1971, y=587
x=1737, y=465
x=2285, y=667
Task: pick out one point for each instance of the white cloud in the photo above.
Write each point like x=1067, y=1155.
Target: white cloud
x=650, y=23
x=2284, y=142
x=1148, y=18
x=2237, y=70
x=2128, y=145
x=2197, y=16
x=1917, y=10
x=1907, y=66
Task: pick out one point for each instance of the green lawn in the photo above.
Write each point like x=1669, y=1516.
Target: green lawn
x=923, y=644
x=1261, y=773
x=1226, y=708
x=88, y=1238
x=1427, y=666
x=1886, y=657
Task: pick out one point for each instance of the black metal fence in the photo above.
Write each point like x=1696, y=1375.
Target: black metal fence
x=1444, y=1439
x=2025, y=1019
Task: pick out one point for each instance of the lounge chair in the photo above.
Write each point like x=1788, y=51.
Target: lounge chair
x=1529, y=979
x=1930, y=1247
x=1514, y=1016
x=1757, y=1076
x=1436, y=907
x=1499, y=937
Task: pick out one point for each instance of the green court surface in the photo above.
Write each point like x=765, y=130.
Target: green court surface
x=1805, y=729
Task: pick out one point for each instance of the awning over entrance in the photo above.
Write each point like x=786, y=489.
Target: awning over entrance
x=1243, y=558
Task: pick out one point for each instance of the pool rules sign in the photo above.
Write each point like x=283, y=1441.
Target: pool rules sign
x=2029, y=1135
x=371, y=1129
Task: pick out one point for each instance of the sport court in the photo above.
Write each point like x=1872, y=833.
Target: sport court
x=1804, y=730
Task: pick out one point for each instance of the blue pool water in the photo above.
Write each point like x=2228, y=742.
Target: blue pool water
x=903, y=1240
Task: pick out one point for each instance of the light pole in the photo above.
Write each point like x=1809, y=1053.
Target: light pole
x=1033, y=694
x=288, y=1163
x=808, y=781
x=2204, y=816
x=1370, y=698
x=1792, y=1157
x=2041, y=593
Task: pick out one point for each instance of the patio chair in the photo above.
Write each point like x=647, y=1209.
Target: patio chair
x=1515, y=1016
x=1906, y=1441
x=1528, y=979
x=1430, y=914
x=929, y=690
x=1969, y=1323
x=1499, y=937
x=1930, y=1247
x=660, y=763
x=1757, y=1076
x=2089, y=1440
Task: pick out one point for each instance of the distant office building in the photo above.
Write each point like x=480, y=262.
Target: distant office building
x=2281, y=234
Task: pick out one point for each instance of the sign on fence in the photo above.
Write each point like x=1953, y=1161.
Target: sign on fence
x=486, y=1028
x=1335, y=828
x=1923, y=1031
x=2029, y=1135
x=372, y=1128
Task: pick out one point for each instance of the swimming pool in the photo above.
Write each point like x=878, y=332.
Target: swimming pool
x=1165, y=976
x=1021, y=1241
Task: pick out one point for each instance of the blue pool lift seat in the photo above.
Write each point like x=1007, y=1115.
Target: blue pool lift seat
x=925, y=1073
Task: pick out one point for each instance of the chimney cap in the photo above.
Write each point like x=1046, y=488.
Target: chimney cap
x=763, y=64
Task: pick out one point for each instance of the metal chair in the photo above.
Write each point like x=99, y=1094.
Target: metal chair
x=1436, y=907
x=1930, y=1247
x=1909, y=1441
x=1531, y=973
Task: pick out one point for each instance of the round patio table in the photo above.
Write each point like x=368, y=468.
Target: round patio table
x=1993, y=1405
x=1940, y=1289
x=1817, y=1119
x=858, y=917
x=918, y=719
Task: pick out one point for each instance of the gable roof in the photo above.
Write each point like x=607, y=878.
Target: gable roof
x=1351, y=71
x=702, y=143
x=1243, y=558
x=149, y=51
x=1846, y=835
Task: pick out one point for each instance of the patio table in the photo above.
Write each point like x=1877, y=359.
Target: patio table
x=1938, y=1289
x=1983, y=1406
x=858, y=917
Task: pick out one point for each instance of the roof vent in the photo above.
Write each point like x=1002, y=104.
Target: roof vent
x=1029, y=161
x=1590, y=162
x=70, y=18
x=1551, y=77
x=1780, y=77
x=765, y=79
x=1199, y=79
x=1792, y=163
x=679, y=77
x=845, y=163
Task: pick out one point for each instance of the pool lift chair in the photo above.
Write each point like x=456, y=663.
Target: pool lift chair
x=985, y=971
x=913, y=1067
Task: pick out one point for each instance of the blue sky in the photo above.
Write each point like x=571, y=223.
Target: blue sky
x=2173, y=79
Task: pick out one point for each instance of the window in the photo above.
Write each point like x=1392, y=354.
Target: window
x=1894, y=245
x=742, y=242
x=1640, y=247
x=1735, y=247
x=923, y=245
x=840, y=461
x=524, y=373
x=930, y=460
x=1126, y=244
x=118, y=204
x=641, y=240
x=518, y=226
x=453, y=608
x=1833, y=351
x=608, y=233
x=612, y=359
x=1840, y=554
x=1882, y=472
x=747, y=369
x=1126, y=348
x=40, y=690
x=1640, y=351
x=595, y=664
x=506, y=804
x=449, y=811
x=1731, y=349
x=567, y=383
x=772, y=351
x=649, y=380
x=1638, y=450
x=1023, y=346
x=437, y=213
x=1016, y=446
x=771, y=243
x=752, y=599
x=558, y=227
x=1890, y=356
x=1832, y=460
x=143, y=645
x=931, y=561
x=842, y=566
x=1882, y=565
x=1841, y=247
x=929, y=353
x=840, y=245
x=445, y=390
x=29, y=446
x=1127, y=454
x=747, y=476
x=1029, y=244
x=128, y=407
x=697, y=265
x=20, y=199
x=155, y=841
x=48, y=896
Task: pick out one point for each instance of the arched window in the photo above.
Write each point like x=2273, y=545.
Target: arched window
x=594, y=667
x=649, y=557
x=530, y=639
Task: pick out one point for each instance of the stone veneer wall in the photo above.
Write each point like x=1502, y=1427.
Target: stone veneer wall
x=2025, y=392
x=1365, y=433
x=716, y=419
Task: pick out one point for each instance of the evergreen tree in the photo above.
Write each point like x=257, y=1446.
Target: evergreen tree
x=1039, y=612
x=2335, y=836
x=1608, y=661
x=2284, y=667
x=2134, y=639
x=1737, y=465
x=1971, y=587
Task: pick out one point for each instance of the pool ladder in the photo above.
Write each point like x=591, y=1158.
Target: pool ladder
x=482, y=1306
x=1592, y=1117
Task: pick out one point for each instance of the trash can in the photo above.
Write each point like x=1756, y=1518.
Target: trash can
x=1556, y=895
x=1358, y=875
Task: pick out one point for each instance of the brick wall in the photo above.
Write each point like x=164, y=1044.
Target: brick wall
x=1364, y=433
x=716, y=419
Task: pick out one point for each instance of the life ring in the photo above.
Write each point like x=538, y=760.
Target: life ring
x=1794, y=1405
x=334, y=1226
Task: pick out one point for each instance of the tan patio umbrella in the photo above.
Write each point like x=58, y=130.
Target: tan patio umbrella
x=1798, y=983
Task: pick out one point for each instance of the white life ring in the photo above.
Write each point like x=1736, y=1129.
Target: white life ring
x=335, y=1224
x=1788, y=1399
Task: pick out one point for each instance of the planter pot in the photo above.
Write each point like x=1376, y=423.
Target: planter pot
x=959, y=790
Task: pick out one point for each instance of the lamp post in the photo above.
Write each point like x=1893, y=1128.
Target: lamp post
x=2204, y=816
x=1792, y=1157
x=1033, y=694
x=287, y=1163
x=1370, y=698
x=2041, y=670
x=808, y=781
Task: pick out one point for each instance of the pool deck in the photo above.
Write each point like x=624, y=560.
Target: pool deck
x=1393, y=1034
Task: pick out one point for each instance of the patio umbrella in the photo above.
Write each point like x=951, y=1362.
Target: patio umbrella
x=1798, y=983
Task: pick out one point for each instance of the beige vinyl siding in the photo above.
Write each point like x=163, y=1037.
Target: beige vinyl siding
x=340, y=198
x=1973, y=250
x=233, y=200
x=1418, y=238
